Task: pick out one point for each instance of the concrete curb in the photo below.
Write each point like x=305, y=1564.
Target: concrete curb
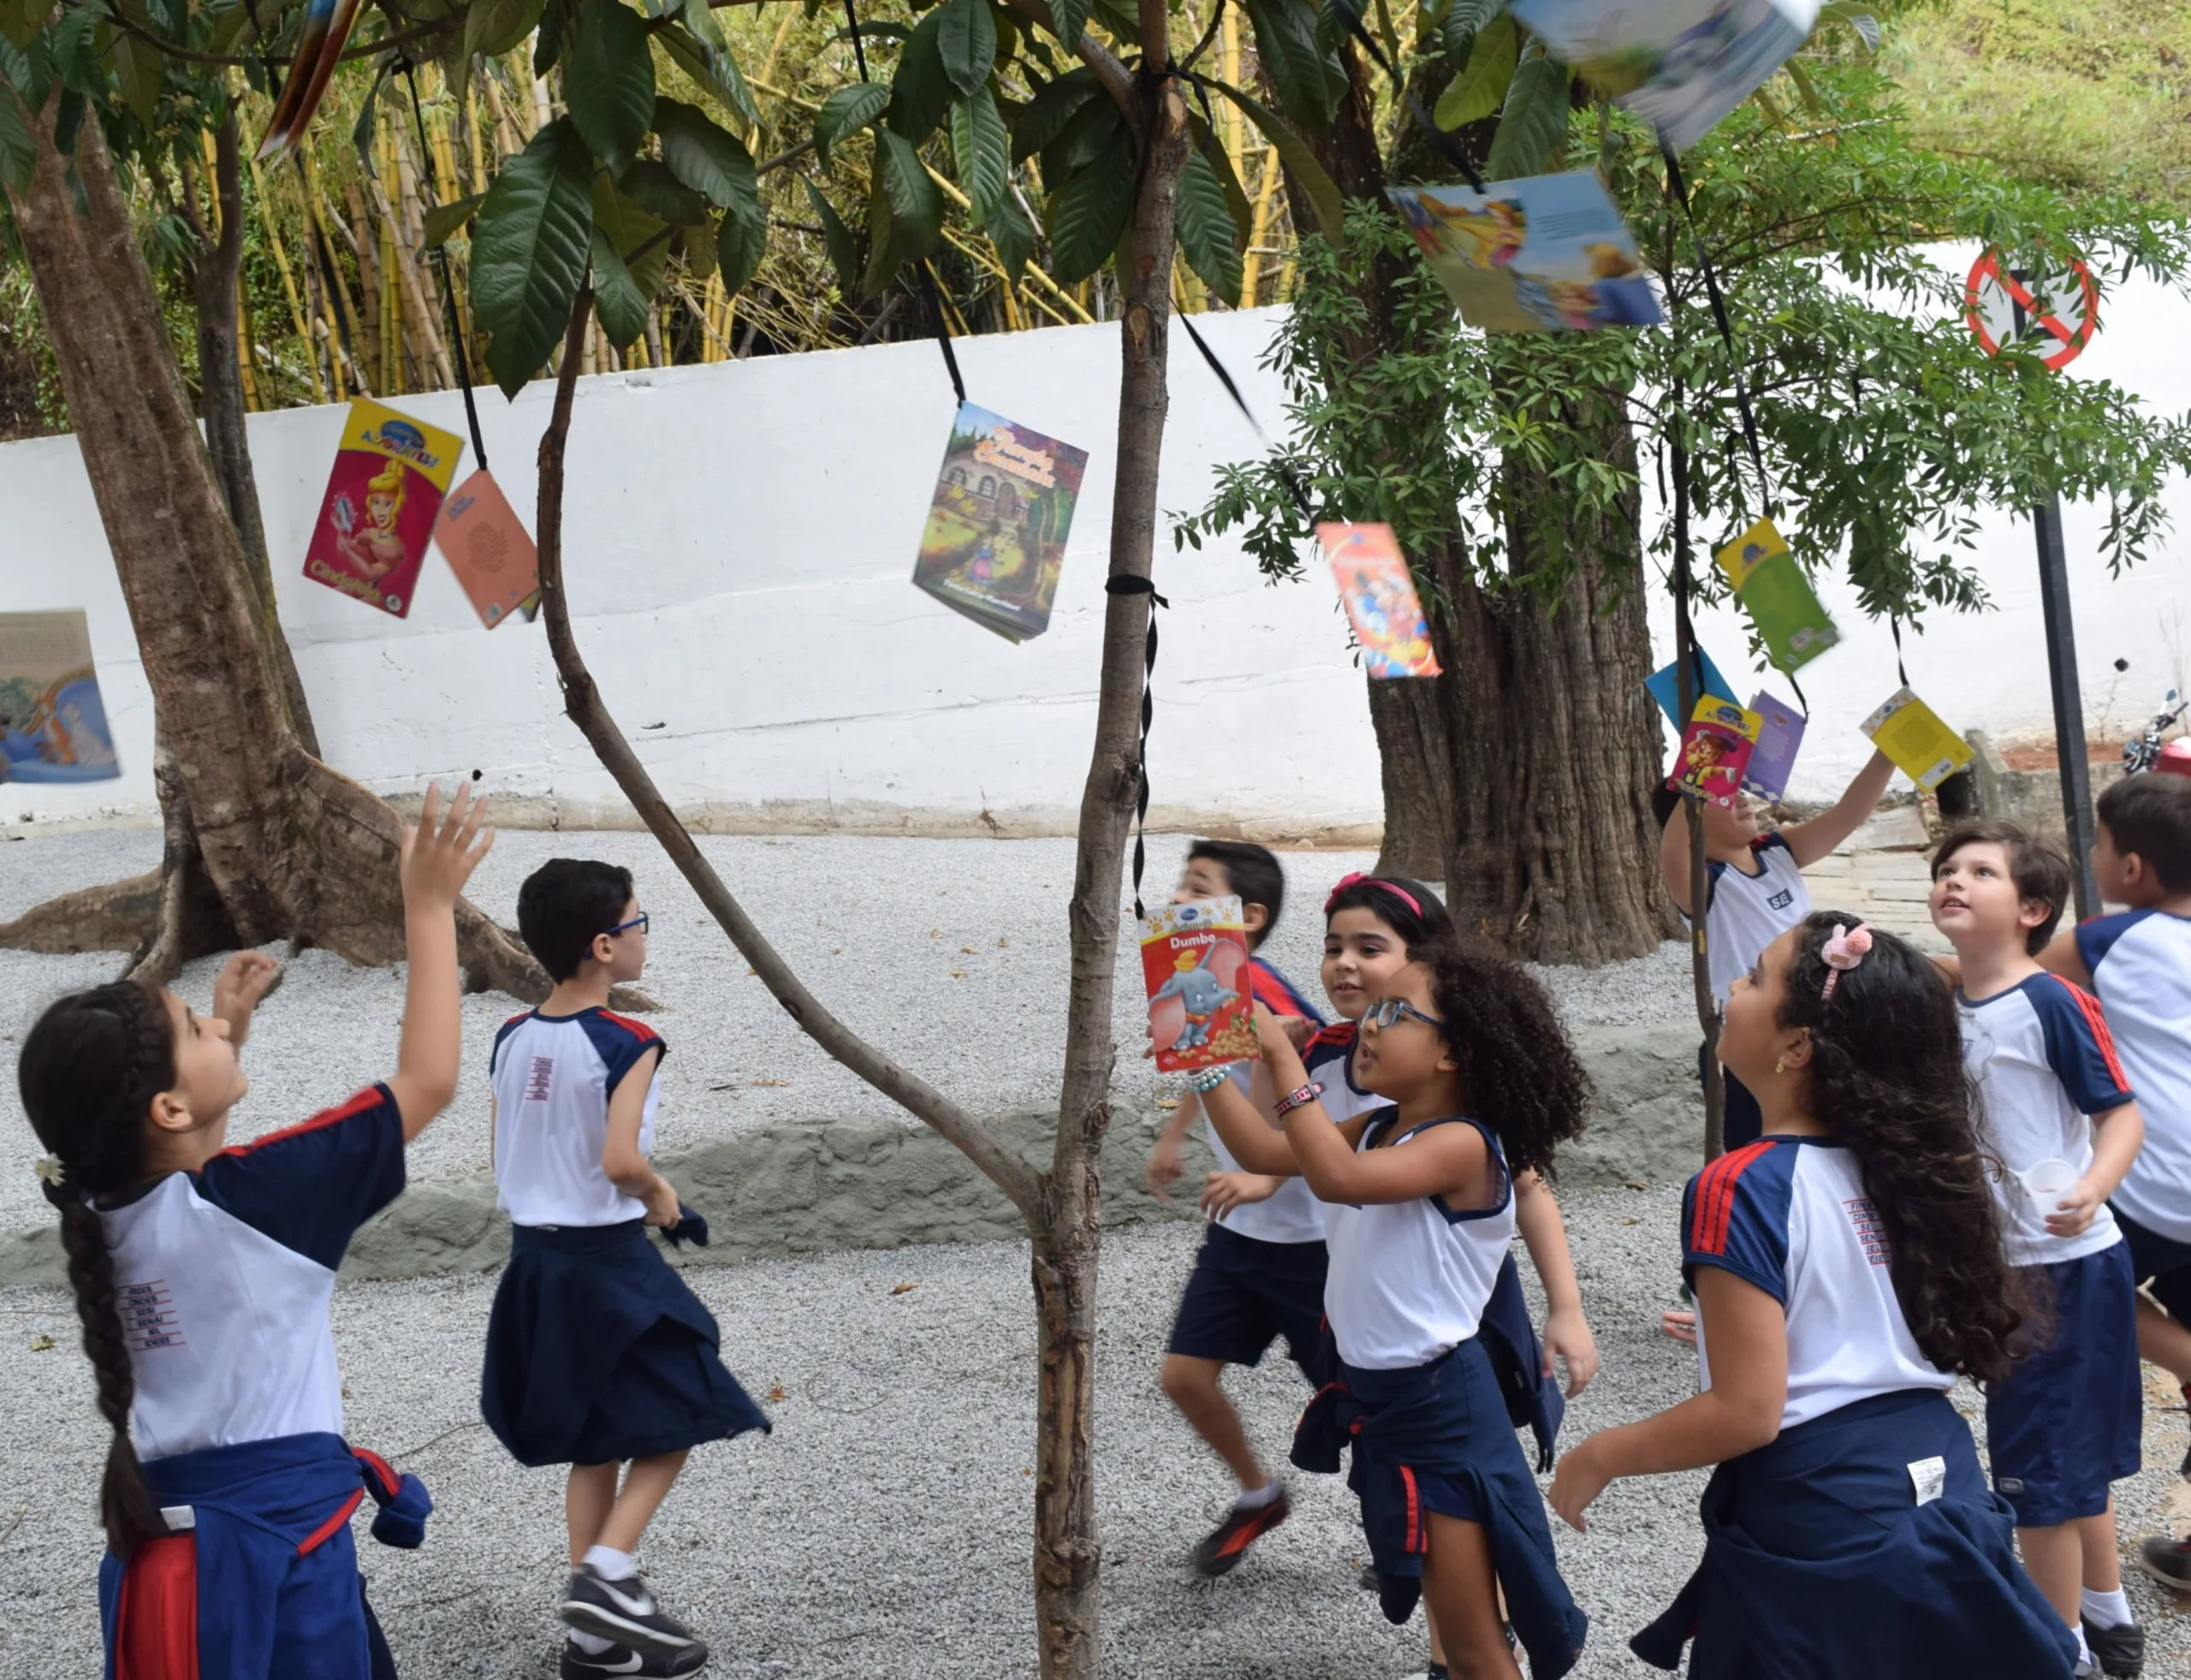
x=804, y=1188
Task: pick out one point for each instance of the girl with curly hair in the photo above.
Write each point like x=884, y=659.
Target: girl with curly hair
x=1848, y=1267
x=1478, y=1085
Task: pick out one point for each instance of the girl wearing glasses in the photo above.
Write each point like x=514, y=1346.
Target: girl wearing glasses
x=1480, y=1084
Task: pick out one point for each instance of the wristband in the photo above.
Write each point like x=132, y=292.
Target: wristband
x=1308, y=1093
x=1205, y=1080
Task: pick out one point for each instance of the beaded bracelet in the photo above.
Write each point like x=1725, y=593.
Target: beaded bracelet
x=1206, y=1080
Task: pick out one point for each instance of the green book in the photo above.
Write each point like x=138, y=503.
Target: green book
x=1782, y=603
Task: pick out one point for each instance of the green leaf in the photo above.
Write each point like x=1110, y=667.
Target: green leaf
x=617, y=299
x=1461, y=23
x=641, y=239
x=20, y=21
x=1301, y=159
x=883, y=257
x=837, y=239
x=1209, y=237
x=1088, y=214
x=1090, y=131
x=1071, y=17
x=1213, y=149
x=18, y=152
x=1013, y=236
x=981, y=148
x=1046, y=114
x=1805, y=86
x=965, y=40
x=698, y=243
x=495, y=27
x=139, y=66
x=1857, y=17
x=1532, y=128
x=1479, y=87
x=530, y=252
x=847, y=110
x=710, y=159
x=1285, y=41
x=655, y=188
x=609, y=83
x=741, y=244
x=714, y=73
x=554, y=37
x=715, y=51
x=921, y=90
x=443, y=220
x=916, y=201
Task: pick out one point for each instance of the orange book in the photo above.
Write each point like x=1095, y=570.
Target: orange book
x=488, y=548
x=1194, y=958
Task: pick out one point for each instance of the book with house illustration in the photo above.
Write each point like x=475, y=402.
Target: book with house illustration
x=1194, y=959
x=1912, y=734
x=53, y=725
x=1715, y=750
x=1381, y=604
x=997, y=527
x=1776, y=590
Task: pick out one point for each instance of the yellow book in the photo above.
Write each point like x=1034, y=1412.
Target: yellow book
x=1911, y=733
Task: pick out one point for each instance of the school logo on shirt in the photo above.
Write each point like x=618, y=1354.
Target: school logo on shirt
x=148, y=1318
x=1864, y=1214
x=540, y=1078
x=1781, y=899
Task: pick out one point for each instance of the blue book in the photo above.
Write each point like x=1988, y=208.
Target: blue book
x=1666, y=688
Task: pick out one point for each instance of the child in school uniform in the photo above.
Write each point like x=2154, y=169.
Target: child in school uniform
x=1848, y=1265
x=203, y=1275
x=598, y=1356
x=2052, y=1100
x=1420, y=1212
x=2139, y=961
x=1260, y=1272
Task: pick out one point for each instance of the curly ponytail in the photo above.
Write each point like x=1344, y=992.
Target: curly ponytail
x=88, y=1073
x=1887, y=1079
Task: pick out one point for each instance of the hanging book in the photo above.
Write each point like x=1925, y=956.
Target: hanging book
x=52, y=725
x=996, y=529
x=1911, y=733
x=1546, y=254
x=1663, y=685
x=1715, y=750
x=382, y=496
x=1780, y=733
x=1681, y=65
x=1194, y=958
x=1782, y=603
x=489, y=548
x=1381, y=601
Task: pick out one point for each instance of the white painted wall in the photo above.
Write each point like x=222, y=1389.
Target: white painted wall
x=740, y=539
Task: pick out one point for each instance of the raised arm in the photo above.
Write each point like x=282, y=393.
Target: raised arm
x=1809, y=841
x=438, y=859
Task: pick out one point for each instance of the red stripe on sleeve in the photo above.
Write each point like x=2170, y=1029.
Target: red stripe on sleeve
x=2096, y=1019
x=1715, y=1216
x=371, y=1097
x=638, y=1030
x=156, y=1623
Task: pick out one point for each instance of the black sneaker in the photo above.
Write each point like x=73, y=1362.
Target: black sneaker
x=625, y=1611
x=2167, y=1561
x=2119, y=1651
x=1367, y=1580
x=578, y=1665
x=1221, y=1550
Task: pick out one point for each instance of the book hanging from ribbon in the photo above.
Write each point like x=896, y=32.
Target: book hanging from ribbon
x=1378, y=594
x=1770, y=582
x=1549, y=253
x=1715, y=750
x=53, y=725
x=378, y=516
x=1913, y=735
x=489, y=548
x=994, y=543
x=1194, y=961
x=1780, y=728
x=1664, y=685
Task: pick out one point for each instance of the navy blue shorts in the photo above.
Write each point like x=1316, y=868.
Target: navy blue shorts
x=2162, y=1264
x=1745, y=1121
x=2065, y=1423
x=1244, y=1293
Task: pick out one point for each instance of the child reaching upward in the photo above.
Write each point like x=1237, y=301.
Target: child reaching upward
x=1420, y=1212
x=1849, y=1266
x=597, y=1353
x=203, y=1275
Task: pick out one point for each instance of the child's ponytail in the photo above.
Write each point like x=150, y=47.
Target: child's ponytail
x=89, y=1071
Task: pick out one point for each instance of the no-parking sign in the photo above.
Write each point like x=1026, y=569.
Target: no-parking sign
x=2060, y=304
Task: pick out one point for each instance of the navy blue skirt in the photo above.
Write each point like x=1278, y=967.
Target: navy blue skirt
x=597, y=1352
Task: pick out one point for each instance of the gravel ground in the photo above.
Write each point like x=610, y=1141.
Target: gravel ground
x=883, y=1528
x=970, y=934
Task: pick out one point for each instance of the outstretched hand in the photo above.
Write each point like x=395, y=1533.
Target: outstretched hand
x=243, y=982
x=438, y=855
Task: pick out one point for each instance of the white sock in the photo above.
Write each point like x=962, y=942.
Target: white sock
x=1258, y=1498
x=2084, y=1651
x=2107, y=1609
x=592, y=1644
x=609, y=1563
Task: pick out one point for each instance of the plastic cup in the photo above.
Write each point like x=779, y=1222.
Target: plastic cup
x=2048, y=1181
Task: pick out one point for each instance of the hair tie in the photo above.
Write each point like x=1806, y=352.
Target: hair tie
x=1399, y=892
x=1843, y=952
x=50, y=1168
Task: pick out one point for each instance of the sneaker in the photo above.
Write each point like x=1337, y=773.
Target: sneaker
x=1221, y=1549
x=1367, y=1580
x=2167, y=1561
x=626, y=1611
x=617, y=1659
x=2120, y=1651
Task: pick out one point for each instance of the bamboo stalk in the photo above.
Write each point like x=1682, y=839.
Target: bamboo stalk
x=288, y=280
x=473, y=140
x=1235, y=121
x=657, y=347
x=251, y=400
x=335, y=300
x=1251, y=265
x=952, y=192
x=406, y=233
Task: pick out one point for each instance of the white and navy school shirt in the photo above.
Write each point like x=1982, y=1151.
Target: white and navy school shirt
x=1744, y=913
x=1409, y=1280
x=553, y=1076
x=225, y=1274
x=2141, y=965
x=2044, y=1061
x=1289, y=1213
x=1790, y=1215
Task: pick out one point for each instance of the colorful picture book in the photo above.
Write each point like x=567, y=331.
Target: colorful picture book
x=489, y=548
x=1911, y=733
x=53, y=726
x=1549, y=253
x=383, y=496
x=1194, y=957
x=1663, y=685
x=996, y=529
x=1779, y=734
x=1715, y=750
x=1681, y=65
x=1772, y=584
x=1381, y=604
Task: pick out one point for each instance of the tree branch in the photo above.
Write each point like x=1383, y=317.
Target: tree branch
x=1010, y=1171
x=189, y=56
x=1117, y=80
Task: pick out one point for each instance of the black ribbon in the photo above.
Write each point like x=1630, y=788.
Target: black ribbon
x=1679, y=187
x=1894, y=623
x=942, y=330
x=1284, y=467
x=859, y=52
x=1446, y=146
x=1128, y=583
x=449, y=289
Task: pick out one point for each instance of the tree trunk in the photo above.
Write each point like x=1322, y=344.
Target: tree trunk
x=264, y=842
x=1413, y=760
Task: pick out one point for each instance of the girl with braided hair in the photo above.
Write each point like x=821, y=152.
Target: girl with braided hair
x=1848, y=1267
x=203, y=1275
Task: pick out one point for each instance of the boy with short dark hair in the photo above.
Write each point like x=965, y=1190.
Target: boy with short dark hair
x=1260, y=1273
x=2056, y=1108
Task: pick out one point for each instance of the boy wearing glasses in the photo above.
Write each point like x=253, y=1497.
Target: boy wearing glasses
x=598, y=1354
